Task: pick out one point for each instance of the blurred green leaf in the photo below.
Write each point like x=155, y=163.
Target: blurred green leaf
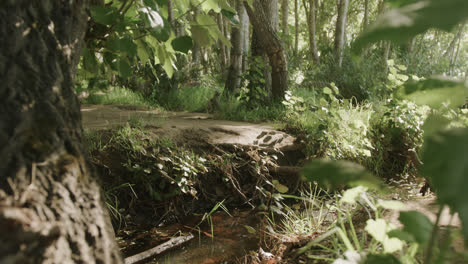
x=124, y=44
x=182, y=44
x=336, y=174
x=445, y=158
x=381, y=259
x=433, y=92
x=401, y=24
x=125, y=70
x=89, y=61
x=378, y=229
x=231, y=16
x=105, y=15
x=417, y=225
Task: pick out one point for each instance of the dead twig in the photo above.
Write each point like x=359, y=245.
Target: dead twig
x=172, y=243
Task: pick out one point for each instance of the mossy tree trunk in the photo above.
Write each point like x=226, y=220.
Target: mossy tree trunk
x=267, y=37
x=51, y=209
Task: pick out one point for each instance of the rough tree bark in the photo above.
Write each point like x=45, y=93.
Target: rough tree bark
x=342, y=6
x=51, y=209
x=233, y=80
x=272, y=45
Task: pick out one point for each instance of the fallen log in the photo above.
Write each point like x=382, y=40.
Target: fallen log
x=172, y=243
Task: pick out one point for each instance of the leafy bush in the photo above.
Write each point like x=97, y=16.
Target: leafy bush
x=397, y=136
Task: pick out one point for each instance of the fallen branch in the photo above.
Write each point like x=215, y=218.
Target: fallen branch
x=172, y=243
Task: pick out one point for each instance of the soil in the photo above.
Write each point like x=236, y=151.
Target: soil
x=187, y=128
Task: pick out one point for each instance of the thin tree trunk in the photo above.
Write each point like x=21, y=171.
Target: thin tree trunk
x=365, y=19
x=222, y=54
x=453, y=43
x=272, y=45
x=296, y=25
x=226, y=33
x=284, y=20
x=170, y=13
x=311, y=23
x=235, y=70
x=386, y=55
x=245, y=40
x=51, y=209
x=340, y=30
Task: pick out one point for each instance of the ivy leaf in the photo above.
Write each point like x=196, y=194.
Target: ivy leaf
x=433, y=92
x=336, y=174
x=445, y=158
x=401, y=24
x=182, y=44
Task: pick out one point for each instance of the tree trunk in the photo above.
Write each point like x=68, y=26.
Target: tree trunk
x=233, y=80
x=285, y=19
x=51, y=209
x=340, y=30
x=245, y=40
x=170, y=14
x=222, y=51
x=296, y=25
x=365, y=19
x=272, y=45
x=311, y=23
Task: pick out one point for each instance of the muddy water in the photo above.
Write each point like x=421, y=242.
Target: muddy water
x=223, y=241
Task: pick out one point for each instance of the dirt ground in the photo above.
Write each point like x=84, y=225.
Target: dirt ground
x=186, y=126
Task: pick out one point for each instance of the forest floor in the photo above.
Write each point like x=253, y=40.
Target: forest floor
x=227, y=236
x=186, y=127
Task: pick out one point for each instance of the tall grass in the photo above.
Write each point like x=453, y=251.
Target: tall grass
x=119, y=96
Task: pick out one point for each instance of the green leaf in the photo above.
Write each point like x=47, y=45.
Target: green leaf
x=125, y=44
x=336, y=174
x=445, y=158
x=89, y=61
x=433, y=92
x=143, y=52
x=391, y=205
x=381, y=259
x=378, y=229
x=105, y=15
x=124, y=68
x=434, y=123
x=351, y=196
x=201, y=36
x=182, y=44
x=208, y=5
x=231, y=16
x=280, y=187
x=417, y=225
x=250, y=229
x=327, y=90
x=403, y=23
